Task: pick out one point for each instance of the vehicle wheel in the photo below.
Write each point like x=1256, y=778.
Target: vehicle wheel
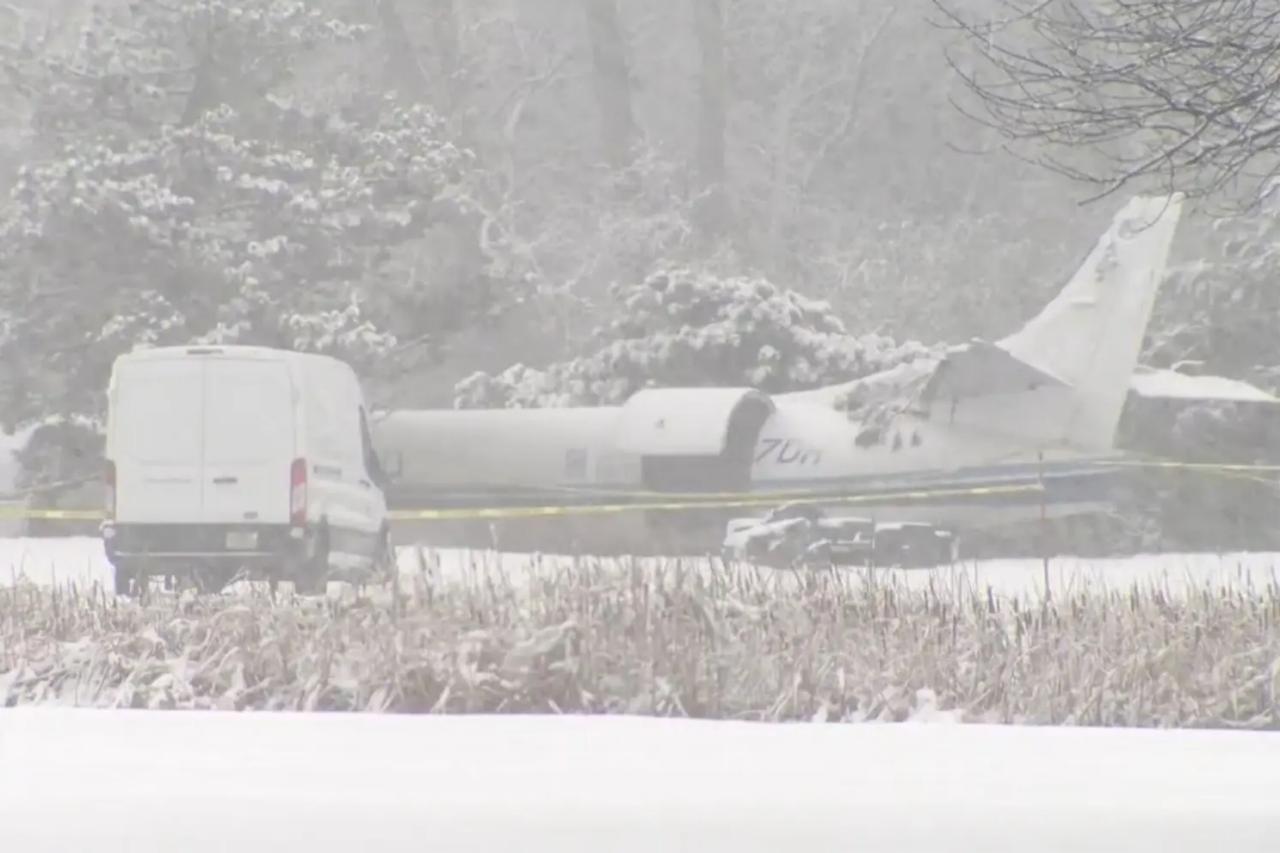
x=311, y=576
x=124, y=576
x=951, y=552
x=211, y=580
x=386, y=569
x=818, y=556
x=887, y=552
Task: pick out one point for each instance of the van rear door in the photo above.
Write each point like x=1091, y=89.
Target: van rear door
x=157, y=431
x=249, y=440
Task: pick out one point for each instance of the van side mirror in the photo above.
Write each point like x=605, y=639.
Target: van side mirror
x=372, y=464
x=376, y=472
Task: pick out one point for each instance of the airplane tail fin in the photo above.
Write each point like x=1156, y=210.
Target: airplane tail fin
x=1090, y=336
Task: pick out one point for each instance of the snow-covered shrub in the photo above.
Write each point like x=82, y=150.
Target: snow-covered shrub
x=686, y=326
x=188, y=178
x=1220, y=303
x=211, y=233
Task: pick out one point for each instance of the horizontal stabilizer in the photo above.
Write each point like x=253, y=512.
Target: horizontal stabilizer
x=981, y=368
x=1151, y=383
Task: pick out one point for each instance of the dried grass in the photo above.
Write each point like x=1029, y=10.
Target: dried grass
x=607, y=637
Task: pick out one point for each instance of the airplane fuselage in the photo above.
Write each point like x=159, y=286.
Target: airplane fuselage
x=914, y=469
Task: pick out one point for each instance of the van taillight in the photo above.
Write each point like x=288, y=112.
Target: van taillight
x=298, y=493
x=111, y=490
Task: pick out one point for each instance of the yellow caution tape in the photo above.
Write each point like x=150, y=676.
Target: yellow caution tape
x=703, y=500
x=51, y=514
x=748, y=501
x=729, y=500
x=1201, y=466
x=37, y=488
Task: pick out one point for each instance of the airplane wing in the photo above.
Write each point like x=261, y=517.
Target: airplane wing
x=979, y=368
x=975, y=369
x=1152, y=383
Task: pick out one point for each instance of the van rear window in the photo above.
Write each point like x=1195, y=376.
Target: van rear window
x=157, y=412
x=204, y=411
x=249, y=412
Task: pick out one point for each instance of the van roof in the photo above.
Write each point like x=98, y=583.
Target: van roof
x=237, y=350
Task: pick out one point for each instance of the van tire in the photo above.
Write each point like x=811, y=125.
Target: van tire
x=386, y=568
x=123, y=573
x=310, y=578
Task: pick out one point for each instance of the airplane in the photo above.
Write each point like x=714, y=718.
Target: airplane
x=1028, y=419
x=991, y=433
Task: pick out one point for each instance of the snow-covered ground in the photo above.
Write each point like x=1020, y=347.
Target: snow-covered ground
x=50, y=562
x=205, y=781
x=78, y=779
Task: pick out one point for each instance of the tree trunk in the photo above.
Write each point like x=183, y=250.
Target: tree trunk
x=402, y=60
x=612, y=82
x=780, y=188
x=445, y=35
x=709, y=27
x=204, y=85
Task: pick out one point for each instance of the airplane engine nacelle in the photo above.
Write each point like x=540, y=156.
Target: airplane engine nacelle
x=694, y=439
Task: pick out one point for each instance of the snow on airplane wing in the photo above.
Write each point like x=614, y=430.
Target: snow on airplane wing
x=979, y=368
x=1169, y=384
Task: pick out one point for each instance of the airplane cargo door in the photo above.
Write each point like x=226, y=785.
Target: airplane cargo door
x=720, y=454
x=692, y=440
x=248, y=440
x=157, y=422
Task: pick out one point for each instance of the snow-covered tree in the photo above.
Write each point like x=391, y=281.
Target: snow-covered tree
x=687, y=326
x=1220, y=306
x=1118, y=95
x=159, y=213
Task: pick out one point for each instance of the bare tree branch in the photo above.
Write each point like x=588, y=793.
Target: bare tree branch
x=1181, y=94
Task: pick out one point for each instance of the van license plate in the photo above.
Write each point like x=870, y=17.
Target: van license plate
x=242, y=540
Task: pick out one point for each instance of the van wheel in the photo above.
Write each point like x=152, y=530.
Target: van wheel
x=386, y=568
x=311, y=576
x=123, y=576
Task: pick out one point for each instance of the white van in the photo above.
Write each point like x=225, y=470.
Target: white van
x=222, y=458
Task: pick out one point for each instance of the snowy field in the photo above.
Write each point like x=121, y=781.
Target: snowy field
x=198, y=780
x=206, y=781
x=58, y=562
